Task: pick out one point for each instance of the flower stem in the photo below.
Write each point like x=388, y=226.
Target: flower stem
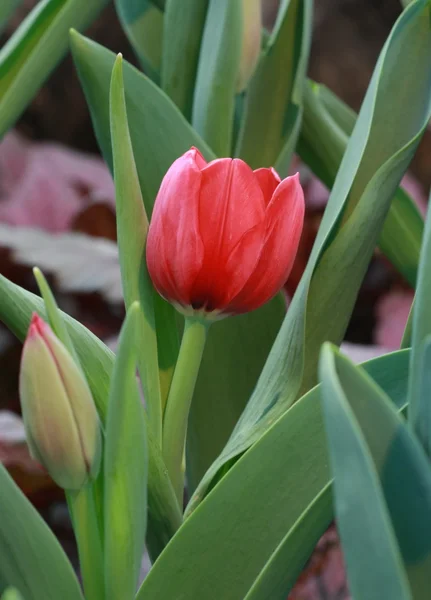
x=83, y=514
x=179, y=401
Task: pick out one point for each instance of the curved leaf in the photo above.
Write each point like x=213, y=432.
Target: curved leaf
x=258, y=505
x=182, y=34
x=327, y=125
x=419, y=401
x=31, y=558
x=35, y=48
x=125, y=469
x=382, y=485
x=273, y=100
x=216, y=79
x=142, y=21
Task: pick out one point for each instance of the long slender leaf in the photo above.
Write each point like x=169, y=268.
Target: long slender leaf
x=142, y=20
x=279, y=481
x=182, y=34
x=35, y=48
x=16, y=308
x=273, y=102
x=31, y=559
x=327, y=125
x=218, y=69
x=384, y=140
x=125, y=469
x=132, y=228
x=419, y=402
x=382, y=485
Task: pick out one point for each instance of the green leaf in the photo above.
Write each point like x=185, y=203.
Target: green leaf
x=182, y=34
x=279, y=481
x=273, y=102
x=327, y=125
x=275, y=581
x=419, y=402
x=237, y=348
x=54, y=314
x=383, y=142
x=216, y=80
x=382, y=485
x=16, y=307
x=132, y=228
x=142, y=21
x=125, y=469
x=32, y=52
x=235, y=353
x=31, y=559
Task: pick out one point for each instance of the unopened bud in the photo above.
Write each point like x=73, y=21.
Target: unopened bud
x=61, y=421
x=251, y=41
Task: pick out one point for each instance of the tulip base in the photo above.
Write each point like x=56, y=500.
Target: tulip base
x=179, y=400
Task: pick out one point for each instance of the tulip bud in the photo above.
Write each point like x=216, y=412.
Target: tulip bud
x=61, y=421
x=223, y=238
x=251, y=41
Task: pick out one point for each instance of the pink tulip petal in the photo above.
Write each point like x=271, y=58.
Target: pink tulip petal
x=268, y=180
x=284, y=221
x=174, y=247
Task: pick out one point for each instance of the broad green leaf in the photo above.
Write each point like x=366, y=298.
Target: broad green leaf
x=32, y=52
x=7, y=9
x=279, y=481
x=273, y=101
x=16, y=307
x=419, y=401
x=216, y=79
x=182, y=34
x=236, y=348
x=275, y=581
x=382, y=485
x=387, y=132
x=125, y=469
x=234, y=355
x=327, y=125
x=132, y=228
x=31, y=558
x=82, y=503
x=142, y=21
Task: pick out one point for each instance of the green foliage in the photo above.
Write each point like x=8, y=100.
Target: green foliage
x=34, y=50
x=386, y=134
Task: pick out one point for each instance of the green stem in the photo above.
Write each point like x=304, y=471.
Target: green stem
x=83, y=512
x=179, y=401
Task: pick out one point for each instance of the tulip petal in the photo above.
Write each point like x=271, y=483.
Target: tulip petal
x=242, y=262
x=268, y=180
x=200, y=161
x=231, y=203
x=284, y=221
x=174, y=246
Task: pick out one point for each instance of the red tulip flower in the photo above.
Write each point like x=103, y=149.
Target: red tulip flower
x=223, y=238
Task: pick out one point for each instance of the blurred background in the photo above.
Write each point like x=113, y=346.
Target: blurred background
x=57, y=211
